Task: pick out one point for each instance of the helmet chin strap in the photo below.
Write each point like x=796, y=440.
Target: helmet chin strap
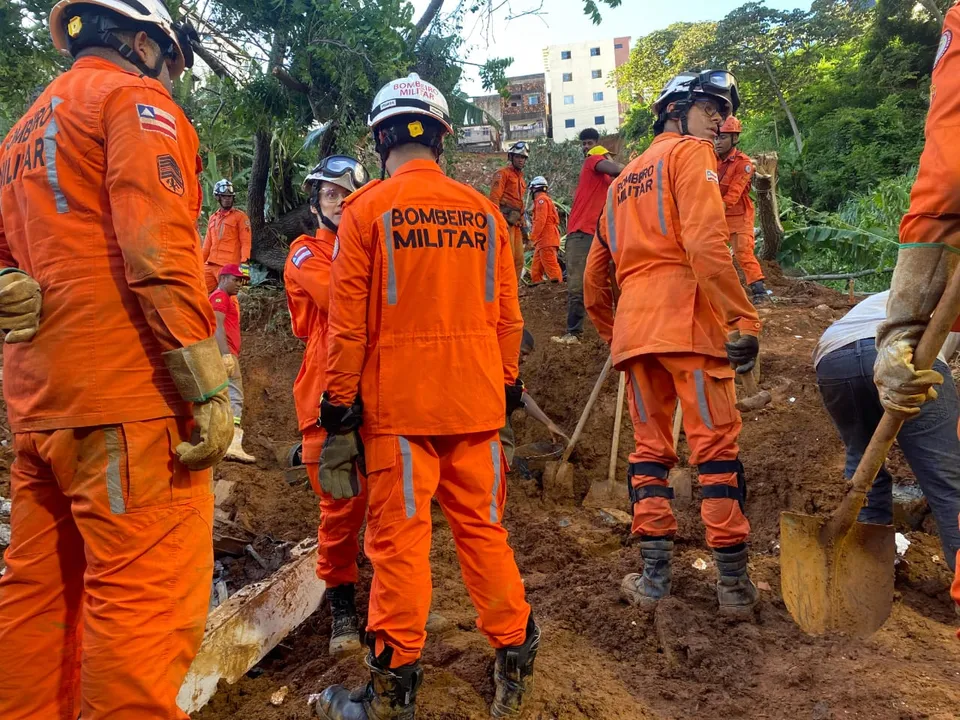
x=326, y=221
x=130, y=55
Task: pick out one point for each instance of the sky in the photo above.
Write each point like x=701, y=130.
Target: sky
x=563, y=21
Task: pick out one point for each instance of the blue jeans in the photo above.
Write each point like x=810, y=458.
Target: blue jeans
x=575, y=254
x=929, y=441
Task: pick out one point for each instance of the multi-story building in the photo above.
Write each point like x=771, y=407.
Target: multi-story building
x=524, y=110
x=581, y=86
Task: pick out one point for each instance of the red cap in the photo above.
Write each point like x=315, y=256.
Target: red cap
x=231, y=269
x=731, y=125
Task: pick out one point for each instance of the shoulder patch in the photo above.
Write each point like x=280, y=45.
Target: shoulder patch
x=169, y=174
x=336, y=248
x=945, y=41
x=153, y=119
x=540, y=201
x=748, y=168
x=300, y=256
x=712, y=177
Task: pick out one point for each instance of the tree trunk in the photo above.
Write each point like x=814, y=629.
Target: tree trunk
x=257, y=187
x=765, y=183
x=274, y=243
x=424, y=22
x=786, y=108
x=933, y=9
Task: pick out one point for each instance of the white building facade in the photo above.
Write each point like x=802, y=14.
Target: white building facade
x=580, y=82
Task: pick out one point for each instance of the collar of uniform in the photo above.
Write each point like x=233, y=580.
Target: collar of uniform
x=325, y=236
x=98, y=63
x=415, y=165
x=731, y=157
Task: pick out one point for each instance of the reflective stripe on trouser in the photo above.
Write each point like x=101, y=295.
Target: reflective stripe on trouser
x=516, y=245
x=235, y=391
x=742, y=244
x=110, y=531
x=705, y=386
x=338, y=542
x=211, y=276
x=545, y=260
x=466, y=474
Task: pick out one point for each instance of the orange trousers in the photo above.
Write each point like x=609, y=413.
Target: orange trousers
x=705, y=386
x=466, y=473
x=516, y=244
x=742, y=244
x=545, y=259
x=109, y=569
x=211, y=276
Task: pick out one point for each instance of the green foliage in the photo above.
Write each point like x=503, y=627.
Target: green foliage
x=560, y=164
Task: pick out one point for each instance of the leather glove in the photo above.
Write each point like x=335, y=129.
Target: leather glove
x=338, y=419
x=20, y=302
x=198, y=372
x=514, y=396
x=510, y=214
x=230, y=364
x=339, y=461
x=903, y=388
x=742, y=351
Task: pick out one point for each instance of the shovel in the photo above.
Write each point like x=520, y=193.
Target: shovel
x=836, y=574
x=602, y=493
x=756, y=398
x=558, y=476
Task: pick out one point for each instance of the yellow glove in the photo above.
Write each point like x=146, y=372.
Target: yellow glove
x=199, y=374
x=903, y=388
x=20, y=302
x=230, y=364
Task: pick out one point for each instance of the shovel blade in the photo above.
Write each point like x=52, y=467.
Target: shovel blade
x=841, y=585
x=558, y=481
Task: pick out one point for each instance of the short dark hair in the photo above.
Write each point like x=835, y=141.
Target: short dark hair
x=589, y=134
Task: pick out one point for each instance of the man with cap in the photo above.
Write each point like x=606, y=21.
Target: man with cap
x=227, y=241
x=507, y=192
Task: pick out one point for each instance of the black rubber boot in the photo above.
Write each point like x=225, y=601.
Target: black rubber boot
x=648, y=588
x=758, y=292
x=513, y=674
x=344, y=625
x=391, y=694
x=736, y=593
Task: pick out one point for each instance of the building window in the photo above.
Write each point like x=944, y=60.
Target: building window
x=569, y=123
x=568, y=77
x=533, y=99
x=594, y=52
x=568, y=99
x=618, y=46
x=565, y=54
x=596, y=74
x=599, y=120
x=598, y=97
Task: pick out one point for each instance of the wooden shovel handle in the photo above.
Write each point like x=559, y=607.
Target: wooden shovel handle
x=925, y=355
x=618, y=418
x=586, y=410
x=750, y=386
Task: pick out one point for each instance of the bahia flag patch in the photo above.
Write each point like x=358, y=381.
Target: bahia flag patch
x=153, y=119
x=301, y=255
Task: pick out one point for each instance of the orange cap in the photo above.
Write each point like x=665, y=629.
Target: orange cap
x=731, y=125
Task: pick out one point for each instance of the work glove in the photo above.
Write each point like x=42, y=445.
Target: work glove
x=514, y=396
x=339, y=419
x=20, y=302
x=917, y=285
x=742, y=351
x=340, y=460
x=199, y=375
x=230, y=364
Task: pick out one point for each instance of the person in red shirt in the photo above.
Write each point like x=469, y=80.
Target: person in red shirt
x=227, y=311
x=306, y=277
x=736, y=171
x=599, y=170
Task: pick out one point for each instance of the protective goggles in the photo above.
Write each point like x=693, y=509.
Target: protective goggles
x=337, y=166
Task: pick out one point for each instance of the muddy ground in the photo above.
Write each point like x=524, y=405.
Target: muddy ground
x=599, y=658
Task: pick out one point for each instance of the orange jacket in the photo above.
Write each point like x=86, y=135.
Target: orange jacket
x=509, y=188
x=736, y=174
x=228, y=238
x=424, y=318
x=307, y=279
x=98, y=197
x=664, y=227
x=546, y=222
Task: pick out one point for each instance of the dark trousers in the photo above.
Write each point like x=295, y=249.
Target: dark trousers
x=929, y=441
x=575, y=254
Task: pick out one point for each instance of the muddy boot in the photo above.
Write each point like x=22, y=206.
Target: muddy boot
x=736, y=592
x=758, y=293
x=653, y=584
x=390, y=695
x=236, y=451
x=513, y=674
x=344, y=632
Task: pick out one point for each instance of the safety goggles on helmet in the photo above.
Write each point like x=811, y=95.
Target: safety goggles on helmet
x=223, y=187
x=720, y=85
x=519, y=148
x=341, y=170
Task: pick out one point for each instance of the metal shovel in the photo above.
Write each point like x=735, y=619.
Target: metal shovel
x=836, y=574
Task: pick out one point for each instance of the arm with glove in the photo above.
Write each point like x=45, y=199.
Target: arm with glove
x=20, y=297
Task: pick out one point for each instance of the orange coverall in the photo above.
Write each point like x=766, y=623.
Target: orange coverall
x=509, y=190
x=425, y=326
x=111, y=554
x=736, y=173
x=227, y=242
x=663, y=227
x=307, y=280
x=546, y=239
x=934, y=214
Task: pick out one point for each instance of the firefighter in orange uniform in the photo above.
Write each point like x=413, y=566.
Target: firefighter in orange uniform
x=307, y=280
x=735, y=171
x=663, y=227
x=929, y=245
x=545, y=233
x=425, y=333
x=115, y=389
x=227, y=241
x=507, y=192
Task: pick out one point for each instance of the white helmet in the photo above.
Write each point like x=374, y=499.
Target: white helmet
x=718, y=84
x=223, y=187
x=519, y=148
x=409, y=96
x=539, y=182
x=75, y=24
